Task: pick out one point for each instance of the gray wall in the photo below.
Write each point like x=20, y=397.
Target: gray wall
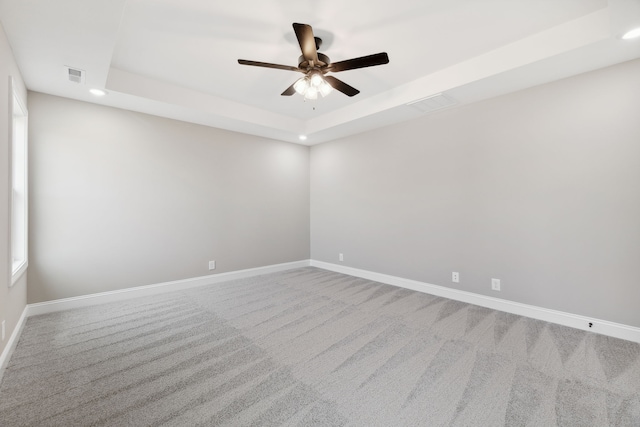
x=121, y=199
x=539, y=188
x=12, y=300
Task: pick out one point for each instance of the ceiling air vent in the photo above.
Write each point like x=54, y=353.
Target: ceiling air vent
x=432, y=103
x=75, y=75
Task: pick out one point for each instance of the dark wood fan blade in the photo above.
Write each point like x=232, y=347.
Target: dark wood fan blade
x=362, y=62
x=307, y=42
x=341, y=86
x=290, y=91
x=268, y=65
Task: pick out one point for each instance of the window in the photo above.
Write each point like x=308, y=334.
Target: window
x=19, y=201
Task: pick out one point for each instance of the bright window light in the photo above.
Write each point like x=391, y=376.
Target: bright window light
x=19, y=196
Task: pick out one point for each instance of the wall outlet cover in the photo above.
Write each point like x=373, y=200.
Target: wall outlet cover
x=212, y=265
x=495, y=284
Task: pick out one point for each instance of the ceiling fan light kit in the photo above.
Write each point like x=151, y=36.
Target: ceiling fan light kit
x=311, y=85
x=314, y=65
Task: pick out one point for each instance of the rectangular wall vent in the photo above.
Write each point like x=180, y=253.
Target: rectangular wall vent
x=75, y=75
x=433, y=103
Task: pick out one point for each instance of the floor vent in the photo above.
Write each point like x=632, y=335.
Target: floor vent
x=432, y=103
x=75, y=75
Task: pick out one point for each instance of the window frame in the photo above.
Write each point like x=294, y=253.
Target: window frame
x=19, y=184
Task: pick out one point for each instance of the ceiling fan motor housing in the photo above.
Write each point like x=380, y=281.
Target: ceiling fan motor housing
x=322, y=58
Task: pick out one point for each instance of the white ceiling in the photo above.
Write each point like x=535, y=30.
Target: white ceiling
x=178, y=58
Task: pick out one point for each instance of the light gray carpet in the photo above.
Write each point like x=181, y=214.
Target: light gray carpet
x=311, y=347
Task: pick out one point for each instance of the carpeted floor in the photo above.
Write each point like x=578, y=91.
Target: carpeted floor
x=312, y=347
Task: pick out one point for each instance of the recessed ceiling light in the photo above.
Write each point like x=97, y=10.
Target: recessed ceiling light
x=97, y=92
x=303, y=137
x=632, y=34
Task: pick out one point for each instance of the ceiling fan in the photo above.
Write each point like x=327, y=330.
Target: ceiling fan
x=315, y=65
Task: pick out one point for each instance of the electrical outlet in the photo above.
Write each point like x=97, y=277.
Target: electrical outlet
x=455, y=277
x=495, y=284
x=212, y=265
x=3, y=330
x=340, y=257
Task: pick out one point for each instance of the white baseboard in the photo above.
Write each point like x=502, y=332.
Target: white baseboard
x=13, y=341
x=140, y=291
x=603, y=327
